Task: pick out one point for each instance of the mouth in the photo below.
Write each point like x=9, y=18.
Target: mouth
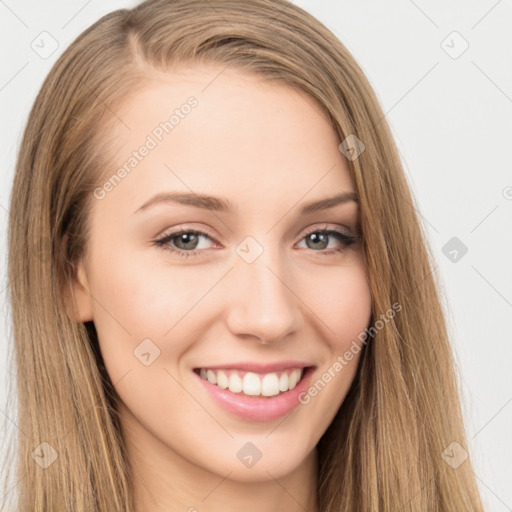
x=254, y=384
x=256, y=395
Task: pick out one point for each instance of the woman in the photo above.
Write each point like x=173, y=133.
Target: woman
x=295, y=356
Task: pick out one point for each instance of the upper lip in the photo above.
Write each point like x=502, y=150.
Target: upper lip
x=251, y=366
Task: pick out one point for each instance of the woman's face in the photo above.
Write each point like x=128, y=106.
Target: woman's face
x=249, y=267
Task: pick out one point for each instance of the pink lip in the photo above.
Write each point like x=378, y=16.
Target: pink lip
x=259, y=408
x=249, y=366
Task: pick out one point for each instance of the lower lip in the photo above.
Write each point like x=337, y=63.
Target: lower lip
x=258, y=408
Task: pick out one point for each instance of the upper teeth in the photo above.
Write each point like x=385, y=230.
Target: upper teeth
x=268, y=384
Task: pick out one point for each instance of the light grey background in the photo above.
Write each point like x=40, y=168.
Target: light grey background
x=451, y=114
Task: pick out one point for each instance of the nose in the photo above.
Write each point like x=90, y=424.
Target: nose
x=261, y=302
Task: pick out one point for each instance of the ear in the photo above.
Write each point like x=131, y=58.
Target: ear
x=77, y=297
x=80, y=300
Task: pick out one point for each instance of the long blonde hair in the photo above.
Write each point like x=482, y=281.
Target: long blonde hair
x=384, y=450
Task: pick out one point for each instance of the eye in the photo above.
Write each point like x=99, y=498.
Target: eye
x=187, y=242
x=183, y=242
x=320, y=238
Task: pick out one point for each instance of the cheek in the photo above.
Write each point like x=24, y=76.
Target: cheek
x=344, y=305
x=144, y=297
x=137, y=300
x=345, y=311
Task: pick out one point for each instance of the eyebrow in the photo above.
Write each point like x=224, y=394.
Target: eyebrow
x=220, y=204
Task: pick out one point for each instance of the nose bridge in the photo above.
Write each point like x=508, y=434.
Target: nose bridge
x=261, y=301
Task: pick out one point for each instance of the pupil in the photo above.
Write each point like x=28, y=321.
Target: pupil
x=315, y=237
x=192, y=237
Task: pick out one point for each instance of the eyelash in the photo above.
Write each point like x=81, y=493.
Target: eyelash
x=163, y=242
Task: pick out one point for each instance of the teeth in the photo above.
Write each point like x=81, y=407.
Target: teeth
x=210, y=375
x=283, y=382
x=235, y=384
x=292, y=380
x=251, y=383
x=270, y=385
x=222, y=380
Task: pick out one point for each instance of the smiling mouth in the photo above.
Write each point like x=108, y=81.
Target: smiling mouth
x=254, y=384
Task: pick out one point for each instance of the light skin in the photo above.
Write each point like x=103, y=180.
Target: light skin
x=269, y=150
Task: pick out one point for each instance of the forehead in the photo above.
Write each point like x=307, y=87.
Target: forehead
x=220, y=131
